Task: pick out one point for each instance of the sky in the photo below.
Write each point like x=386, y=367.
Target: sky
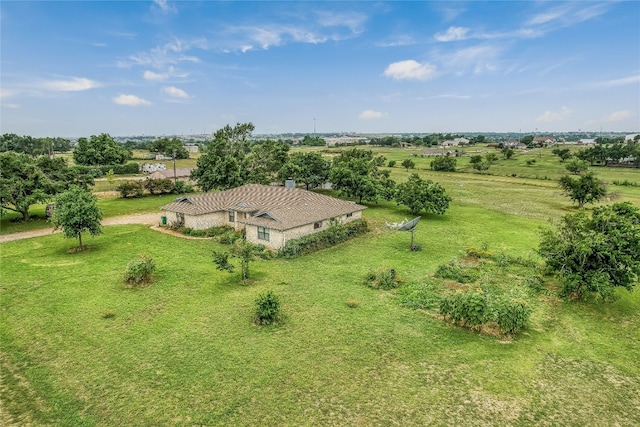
x=81, y=68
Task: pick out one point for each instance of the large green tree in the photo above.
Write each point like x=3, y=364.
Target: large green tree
x=355, y=173
x=586, y=188
x=421, y=195
x=225, y=164
x=267, y=158
x=166, y=147
x=76, y=211
x=309, y=168
x=100, y=150
x=597, y=253
x=25, y=180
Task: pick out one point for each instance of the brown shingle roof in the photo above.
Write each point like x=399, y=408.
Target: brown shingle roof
x=274, y=207
x=180, y=172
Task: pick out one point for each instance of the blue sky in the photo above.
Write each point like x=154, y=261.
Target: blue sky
x=77, y=68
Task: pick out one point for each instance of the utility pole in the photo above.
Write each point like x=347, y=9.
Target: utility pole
x=175, y=178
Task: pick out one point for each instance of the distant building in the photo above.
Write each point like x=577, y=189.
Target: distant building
x=152, y=167
x=630, y=137
x=192, y=148
x=182, y=174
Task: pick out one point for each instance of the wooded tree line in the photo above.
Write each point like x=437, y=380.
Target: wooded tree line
x=230, y=160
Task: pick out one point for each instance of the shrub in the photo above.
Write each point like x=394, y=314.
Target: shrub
x=336, y=233
x=477, y=307
x=478, y=253
x=181, y=187
x=454, y=271
x=267, y=308
x=391, y=163
x=385, y=279
x=444, y=164
x=130, y=189
x=228, y=236
x=353, y=303
x=159, y=186
x=139, y=270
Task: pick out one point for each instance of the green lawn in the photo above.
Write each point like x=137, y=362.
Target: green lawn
x=80, y=349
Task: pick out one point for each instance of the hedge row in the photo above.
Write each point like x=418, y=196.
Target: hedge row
x=336, y=233
x=100, y=171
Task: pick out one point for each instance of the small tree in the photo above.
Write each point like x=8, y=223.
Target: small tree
x=563, y=153
x=478, y=163
x=392, y=163
x=444, y=164
x=586, y=188
x=595, y=254
x=508, y=152
x=422, y=195
x=577, y=167
x=242, y=250
x=139, y=270
x=408, y=164
x=76, y=211
x=267, y=308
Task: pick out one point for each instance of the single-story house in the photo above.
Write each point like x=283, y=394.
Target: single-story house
x=182, y=174
x=269, y=215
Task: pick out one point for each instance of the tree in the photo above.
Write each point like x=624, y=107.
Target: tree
x=243, y=250
x=267, y=158
x=309, y=168
x=422, y=195
x=444, y=164
x=313, y=141
x=586, y=188
x=392, y=163
x=527, y=140
x=355, y=173
x=25, y=180
x=77, y=211
x=478, y=163
x=166, y=147
x=577, y=167
x=507, y=152
x=224, y=164
x=100, y=150
x=408, y=164
x=563, y=153
x=597, y=253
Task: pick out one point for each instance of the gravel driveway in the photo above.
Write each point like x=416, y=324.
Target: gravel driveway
x=148, y=219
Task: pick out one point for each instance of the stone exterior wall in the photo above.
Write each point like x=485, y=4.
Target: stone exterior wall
x=278, y=239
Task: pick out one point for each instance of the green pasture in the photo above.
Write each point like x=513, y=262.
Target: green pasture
x=80, y=349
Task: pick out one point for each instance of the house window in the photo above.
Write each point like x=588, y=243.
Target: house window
x=317, y=225
x=232, y=216
x=263, y=233
x=349, y=215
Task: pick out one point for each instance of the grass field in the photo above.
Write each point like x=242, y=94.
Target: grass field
x=80, y=349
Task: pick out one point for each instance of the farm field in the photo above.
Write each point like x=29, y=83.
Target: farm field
x=80, y=349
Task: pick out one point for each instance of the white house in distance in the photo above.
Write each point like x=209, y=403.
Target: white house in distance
x=269, y=215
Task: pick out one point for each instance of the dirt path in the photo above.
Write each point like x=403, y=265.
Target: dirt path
x=148, y=219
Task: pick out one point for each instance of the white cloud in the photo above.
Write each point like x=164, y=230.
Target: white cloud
x=373, y=115
x=175, y=92
x=402, y=40
x=617, y=116
x=479, y=59
x=164, y=6
x=150, y=75
x=130, y=100
x=620, y=82
x=410, y=70
x=74, y=84
x=452, y=34
x=558, y=116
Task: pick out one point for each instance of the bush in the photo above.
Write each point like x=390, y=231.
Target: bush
x=353, y=303
x=228, y=236
x=454, y=271
x=267, y=308
x=159, y=186
x=336, y=233
x=477, y=307
x=139, y=270
x=478, y=253
x=182, y=187
x=444, y=164
x=130, y=189
x=385, y=279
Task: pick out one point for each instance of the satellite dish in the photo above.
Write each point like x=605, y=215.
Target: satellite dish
x=409, y=226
